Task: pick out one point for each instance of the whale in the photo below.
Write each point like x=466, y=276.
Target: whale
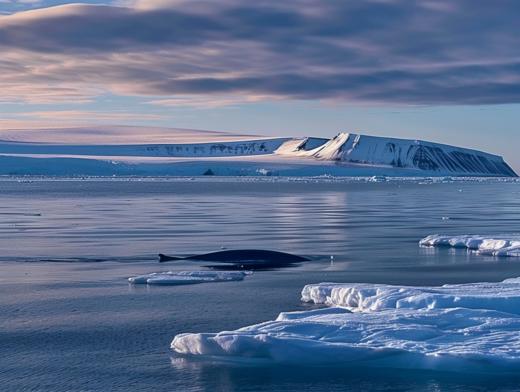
x=243, y=258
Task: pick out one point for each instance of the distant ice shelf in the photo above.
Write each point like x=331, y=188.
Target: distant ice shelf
x=506, y=245
x=193, y=153
x=458, y=328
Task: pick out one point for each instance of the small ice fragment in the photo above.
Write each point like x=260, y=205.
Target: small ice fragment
x=141, y=279
x=500, y=245
x=188, y=277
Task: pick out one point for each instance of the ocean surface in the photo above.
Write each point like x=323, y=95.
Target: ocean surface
x=69, y=320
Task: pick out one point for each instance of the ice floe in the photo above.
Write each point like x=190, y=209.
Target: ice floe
x=499, y=245
x=363, y=297
x=467, y=327
x=188, y=277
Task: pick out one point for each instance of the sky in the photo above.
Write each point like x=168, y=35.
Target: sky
x=445, y=71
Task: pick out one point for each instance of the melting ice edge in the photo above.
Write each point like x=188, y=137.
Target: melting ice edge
x=464, y=328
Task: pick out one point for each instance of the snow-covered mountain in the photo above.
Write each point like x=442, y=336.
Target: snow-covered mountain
x=403, y=153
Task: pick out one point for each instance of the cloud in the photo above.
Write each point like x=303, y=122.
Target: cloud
x=50, y=118
x=177, y=51
x=83, y=115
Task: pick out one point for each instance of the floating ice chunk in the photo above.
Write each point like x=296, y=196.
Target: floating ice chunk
x=468, y=327
x=193, y=277
x=361, y=297
x=188, y=277
x=442, y=339
x=501, y=245
x=264, y=172
x=377, y=179
x=142, y=279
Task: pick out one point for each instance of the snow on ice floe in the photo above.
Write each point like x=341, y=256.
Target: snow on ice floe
x=499, y=245
x=188, y=277
x=467, y=327
x=361, y=297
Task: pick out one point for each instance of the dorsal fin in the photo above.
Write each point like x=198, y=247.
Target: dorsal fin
x=163, y=258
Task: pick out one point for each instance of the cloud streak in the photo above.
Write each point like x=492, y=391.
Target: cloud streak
x=60, y=118
x=383, y=52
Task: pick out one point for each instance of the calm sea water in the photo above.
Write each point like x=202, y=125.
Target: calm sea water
x=78, y=326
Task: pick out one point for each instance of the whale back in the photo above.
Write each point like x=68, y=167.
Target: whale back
x=248, y=255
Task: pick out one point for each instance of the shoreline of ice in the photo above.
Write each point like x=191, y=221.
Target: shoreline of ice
x=422, y=180
x=457, y=328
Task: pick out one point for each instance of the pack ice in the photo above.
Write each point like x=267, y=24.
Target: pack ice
x=464, y=328
x=499, y=245
x=188, y=277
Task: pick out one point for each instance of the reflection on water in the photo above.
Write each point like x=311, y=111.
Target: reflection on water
x=79, y=326
x=252, y=377
x=140, y=219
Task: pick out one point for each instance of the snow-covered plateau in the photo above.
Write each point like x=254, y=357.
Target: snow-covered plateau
x=461, y=328
x=131, y=151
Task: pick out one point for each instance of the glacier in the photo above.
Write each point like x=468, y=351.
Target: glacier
x=505, y=245
x=457, y=328
x=402, y=153
x=109, y=152
x=214, y=149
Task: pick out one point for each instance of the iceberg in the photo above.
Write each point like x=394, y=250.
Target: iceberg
x=461, y=328
x=506, y=245
x=188, y=277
